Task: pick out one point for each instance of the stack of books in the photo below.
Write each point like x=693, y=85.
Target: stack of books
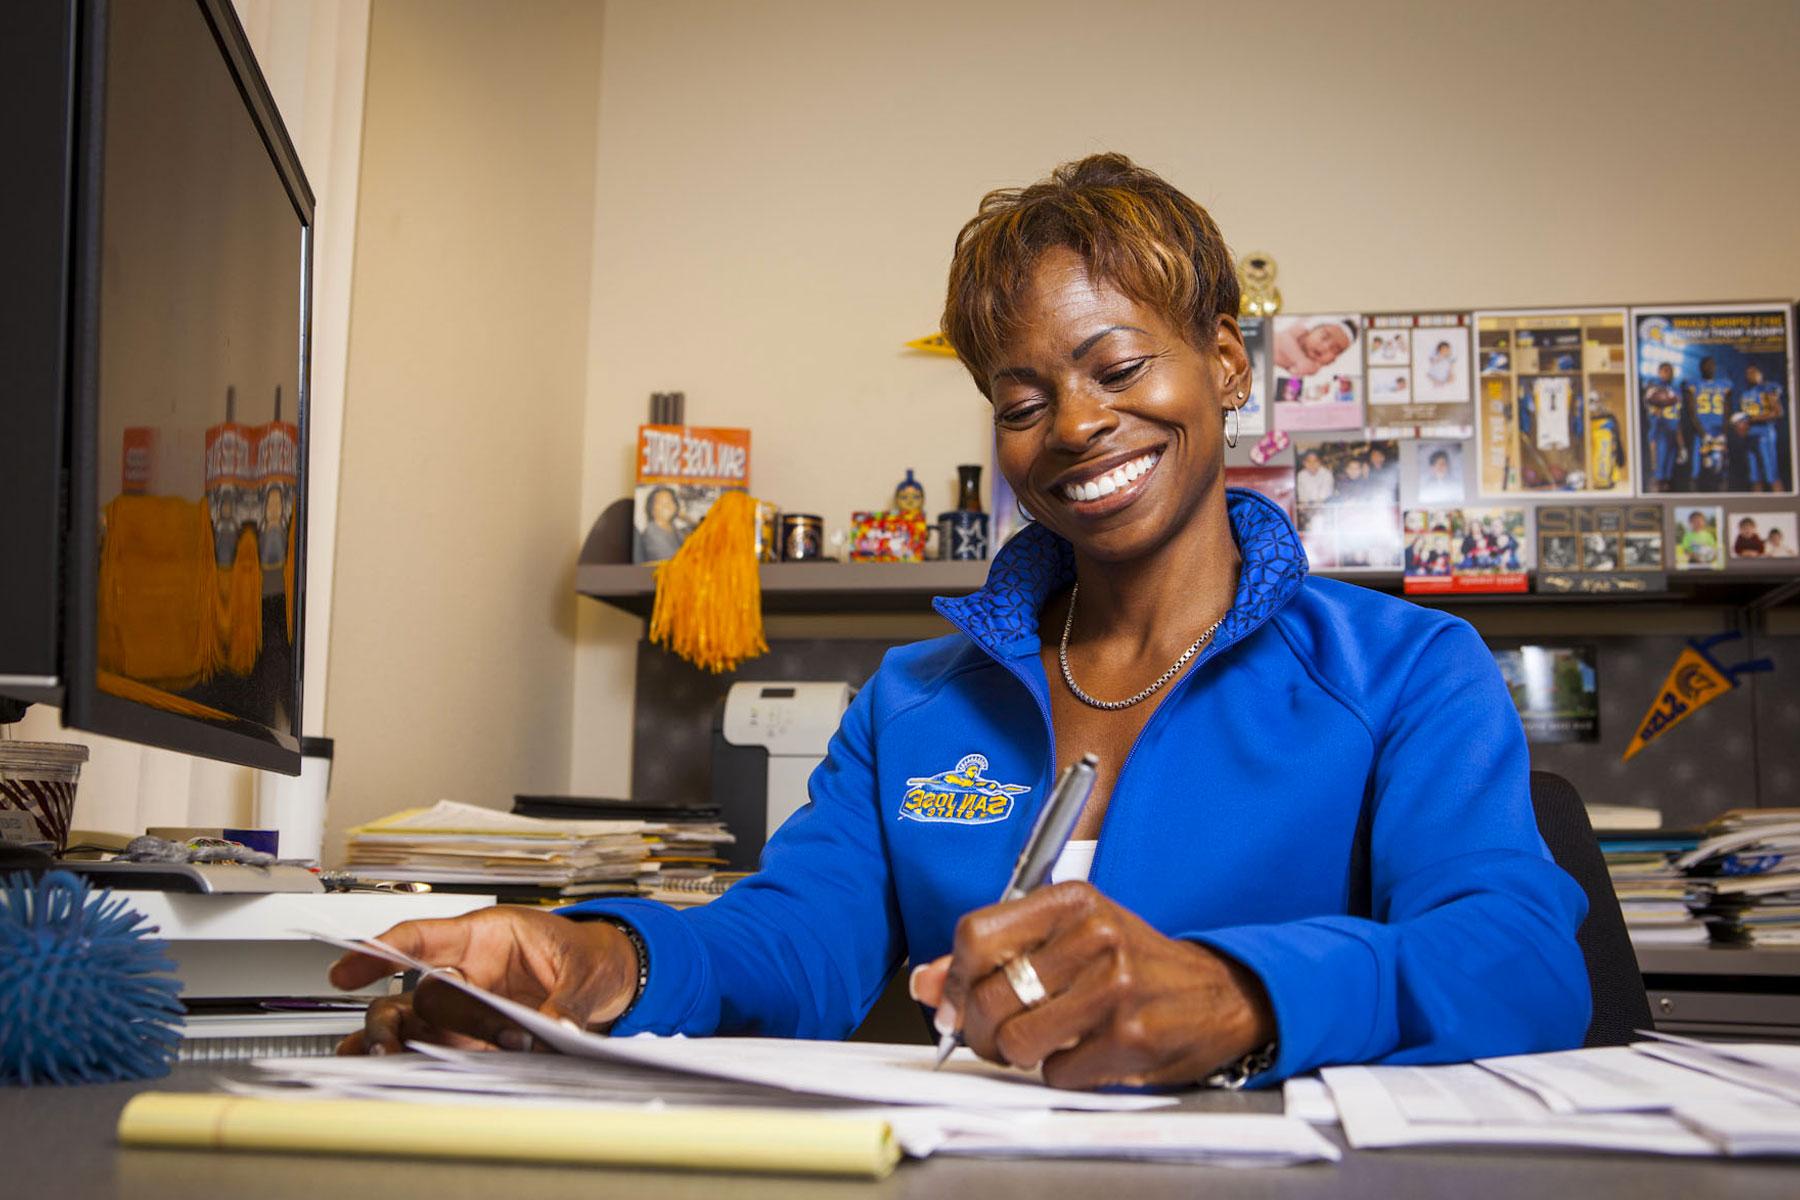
x=1744, y=878
x=462, y=847
x=1651, y=888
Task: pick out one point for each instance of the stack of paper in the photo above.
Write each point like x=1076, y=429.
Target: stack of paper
x=969, y=1107
x=1652, y=890
x=1746, y=878
x=461, y=846
x=1671, y=1096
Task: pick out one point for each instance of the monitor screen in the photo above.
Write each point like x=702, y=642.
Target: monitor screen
x=196, y=401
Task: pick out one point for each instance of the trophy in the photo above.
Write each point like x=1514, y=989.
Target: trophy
x=1256, y=273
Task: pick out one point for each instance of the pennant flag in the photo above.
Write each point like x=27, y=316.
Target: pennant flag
x=1695, y=681
x=937, y=343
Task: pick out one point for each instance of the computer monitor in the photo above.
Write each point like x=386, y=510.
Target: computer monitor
x=157, y=239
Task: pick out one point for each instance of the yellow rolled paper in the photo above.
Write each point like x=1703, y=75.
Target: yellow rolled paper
x=771, y=1141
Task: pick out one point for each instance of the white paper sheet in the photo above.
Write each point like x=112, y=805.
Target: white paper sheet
x=1708, y=1060
x=1425, y=1106
x=1747, y=1128
x=452, y=1077
x=1224, y=1139
x=1307, y=1097
x=866, y=1072
x=1616, y=1079
x=1777, y=1056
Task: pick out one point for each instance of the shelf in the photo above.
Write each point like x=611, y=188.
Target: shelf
x=1718, y=960
x=805, y=587
x=861, y=587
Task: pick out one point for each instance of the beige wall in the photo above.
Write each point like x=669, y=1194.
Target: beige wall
x=566, y=206
x=780, y=183
x=453, y=624
x=315, y=56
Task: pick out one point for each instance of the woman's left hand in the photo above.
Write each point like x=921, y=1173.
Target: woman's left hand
x=1125, y=1004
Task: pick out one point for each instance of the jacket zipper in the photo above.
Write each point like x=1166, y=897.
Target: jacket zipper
x=1211, y=652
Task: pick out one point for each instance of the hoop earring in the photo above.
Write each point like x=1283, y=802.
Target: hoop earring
x=1231, y=422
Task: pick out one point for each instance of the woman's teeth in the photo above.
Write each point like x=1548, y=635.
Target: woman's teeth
x=1112, y=481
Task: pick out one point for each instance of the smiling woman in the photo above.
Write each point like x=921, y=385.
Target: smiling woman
x=1313, y=840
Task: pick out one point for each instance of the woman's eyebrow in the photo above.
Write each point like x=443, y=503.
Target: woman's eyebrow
x=1088, y=343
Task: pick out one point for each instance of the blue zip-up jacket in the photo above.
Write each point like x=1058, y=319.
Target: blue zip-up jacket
x=1232, y=824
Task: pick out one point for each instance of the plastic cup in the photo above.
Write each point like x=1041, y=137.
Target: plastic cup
x=38, y=779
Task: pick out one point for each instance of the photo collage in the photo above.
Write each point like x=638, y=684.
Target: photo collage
x=1405, y=441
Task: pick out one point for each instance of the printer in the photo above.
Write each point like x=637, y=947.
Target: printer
x=767, y=738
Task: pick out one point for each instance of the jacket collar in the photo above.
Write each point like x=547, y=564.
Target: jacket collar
x=1035, y=564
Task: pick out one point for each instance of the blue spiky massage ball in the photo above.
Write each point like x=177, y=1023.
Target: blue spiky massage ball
x=86, y=995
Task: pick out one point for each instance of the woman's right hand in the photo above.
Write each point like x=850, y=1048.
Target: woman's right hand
x=581, y=972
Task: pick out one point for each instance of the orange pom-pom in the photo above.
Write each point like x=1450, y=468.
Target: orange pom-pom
x=709, y=596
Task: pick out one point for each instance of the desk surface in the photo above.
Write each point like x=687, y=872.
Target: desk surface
x=59, y=1142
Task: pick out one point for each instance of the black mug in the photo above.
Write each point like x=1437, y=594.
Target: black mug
x=962, y=535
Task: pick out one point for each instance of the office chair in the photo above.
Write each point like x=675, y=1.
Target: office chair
x=1621, y=1007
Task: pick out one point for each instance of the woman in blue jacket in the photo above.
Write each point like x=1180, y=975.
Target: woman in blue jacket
x=1311, y=841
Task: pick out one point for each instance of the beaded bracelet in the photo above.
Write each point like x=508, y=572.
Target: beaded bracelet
x=643, y=961
x=1235, y=1074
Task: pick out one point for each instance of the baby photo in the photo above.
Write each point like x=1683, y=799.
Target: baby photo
x=1390, y=385
x=1697, y=539
x=1440, y=365
x=1440, y=473
x=1389, y=347
x=1318, y=372
x=1762, y=534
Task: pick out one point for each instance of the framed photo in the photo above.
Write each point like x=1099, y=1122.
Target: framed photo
x=1761, y=534
x=1715, y=389
x=1600, y=548
x=1277, y=483
x=1317, y=380
x=1438, y=473
x=681, y=471
x=1697, y=543
x=1465, y=550
x=1253, y=417
x=1556, y=690
x=1347, y=504
x=1553, y=411
x=1418, y=375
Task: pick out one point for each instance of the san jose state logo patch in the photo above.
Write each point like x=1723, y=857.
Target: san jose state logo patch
x=960, y=795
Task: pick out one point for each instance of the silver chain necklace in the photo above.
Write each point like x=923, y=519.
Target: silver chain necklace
x=1062, y=656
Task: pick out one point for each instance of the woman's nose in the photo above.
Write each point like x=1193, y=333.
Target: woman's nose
x=1082, y=418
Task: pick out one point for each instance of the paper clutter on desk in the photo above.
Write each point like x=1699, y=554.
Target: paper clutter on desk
x=463, y=847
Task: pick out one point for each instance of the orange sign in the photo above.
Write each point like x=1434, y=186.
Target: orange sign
x=689, y=454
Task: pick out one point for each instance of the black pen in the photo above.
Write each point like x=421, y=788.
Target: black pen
x=1049, y=836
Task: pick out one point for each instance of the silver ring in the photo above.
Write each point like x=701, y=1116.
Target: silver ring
x=1025, y=982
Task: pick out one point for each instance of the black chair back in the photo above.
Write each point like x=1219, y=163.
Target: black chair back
x=1621, y=1007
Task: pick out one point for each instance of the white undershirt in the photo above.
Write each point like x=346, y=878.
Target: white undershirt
x=1075, y=862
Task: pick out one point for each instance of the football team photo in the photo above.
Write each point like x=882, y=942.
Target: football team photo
x=1714, y=396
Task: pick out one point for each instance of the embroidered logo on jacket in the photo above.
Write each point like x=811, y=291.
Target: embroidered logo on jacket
x=960, y=795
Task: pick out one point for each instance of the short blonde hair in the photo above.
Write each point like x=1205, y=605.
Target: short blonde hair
x=1132, y=228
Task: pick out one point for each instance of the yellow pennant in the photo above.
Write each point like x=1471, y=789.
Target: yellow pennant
x=937, y=343
x=1694, y=682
